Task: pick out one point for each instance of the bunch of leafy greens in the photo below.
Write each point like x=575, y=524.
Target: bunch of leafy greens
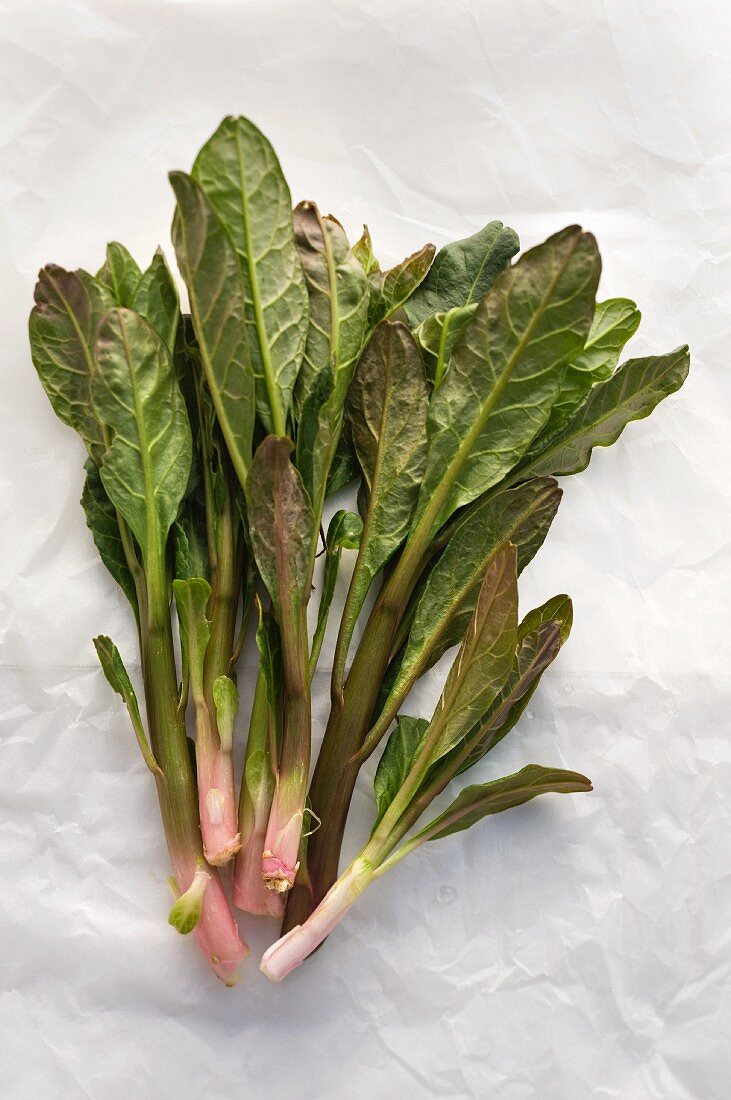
x=454, y=390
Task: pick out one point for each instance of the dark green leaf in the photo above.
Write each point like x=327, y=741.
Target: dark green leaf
x=240, y=174
x=190, y=542
x=484, y=799
x=101, y=519
x=269, y=644
x=156, y=299
x=116, y=674
x=445, y=602
x=145, y=470
x=437, y=337
x=615, y=321
x=344, y=467
x=344, y=533
x=387, y=407
x=397, y=759
x=463, y=272
x=506, y=370
x=120, y=275
x=630, y=394
x=210, y=267
x=62, y=328
x=484, y=659
x=540, y=637
x=191, y=600
x=536, y=650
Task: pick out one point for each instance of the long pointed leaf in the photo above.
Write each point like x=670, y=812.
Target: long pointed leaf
x=69, y=305
x=281, y=525
x=506, y=370
x=395, y=763
x=463, y=272
x=387, y=407
x=630, y=394
x=446, y=601
x=338, y=298
x=239, y=172
x=338, y=291
x=118, y=678
x=210, y=267
x=615, y=322
x=485, y=799
x=120, y=274
x=145, y=470
x=101, y=519
x=485, y=657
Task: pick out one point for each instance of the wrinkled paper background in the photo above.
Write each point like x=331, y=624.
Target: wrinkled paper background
x=577, y=947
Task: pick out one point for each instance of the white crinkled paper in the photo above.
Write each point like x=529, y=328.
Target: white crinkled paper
x=576, y=947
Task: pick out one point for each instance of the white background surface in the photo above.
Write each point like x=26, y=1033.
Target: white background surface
x=577, y=947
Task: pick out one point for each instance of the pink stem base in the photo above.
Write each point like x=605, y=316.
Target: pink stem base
x=292, y=949
x=249, y=890
x=216, y=933
x=217, y=807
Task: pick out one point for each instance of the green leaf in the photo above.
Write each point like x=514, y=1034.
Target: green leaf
x=344, y=467
x=536, y=650
x=186, y=912
x=62, y=327
x=191, y=599
x=446, y=601
x=391, y=289
x=437, y=337
x=190, y=542
x=506, y=370
x=615, y=321
x=362, y=250
x=226, y=702
x=259, y=778
x=338, y=292
x=395, y=763
x=281, y=526
x=239, y=172
x=387, y=406
x=463, y=272
x=269, y=644
x=483, y=799
x=485, y=656
x=210, y=267
x=115, y=672
x=120, y=275
x=101, y=519
x=630, y=394
x=558, y=609
x=540, y=637
x=156, y=299
x=338, y=299
x=145, y=470
x=344, y=533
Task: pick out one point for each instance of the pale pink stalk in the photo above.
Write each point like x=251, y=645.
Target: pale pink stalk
x=293, y=948
x=249, y=890
x=216, y=791
x=216, y=932
x=280, y=859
